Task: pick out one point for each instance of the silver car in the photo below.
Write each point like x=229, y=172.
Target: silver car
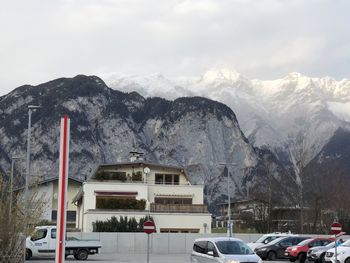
x=317, y=254
x=222, y=250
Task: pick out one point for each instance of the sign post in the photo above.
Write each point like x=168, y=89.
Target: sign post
x=149, y=228
x=62, y=190
x=336, y=229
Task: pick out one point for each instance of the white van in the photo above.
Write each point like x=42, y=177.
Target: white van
x=42, y=244
x=222, y=250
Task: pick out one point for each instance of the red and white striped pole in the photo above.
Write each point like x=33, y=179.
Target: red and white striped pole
x=62, y=190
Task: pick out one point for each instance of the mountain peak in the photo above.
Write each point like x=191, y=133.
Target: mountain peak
x=214, y=75
x=295, y=76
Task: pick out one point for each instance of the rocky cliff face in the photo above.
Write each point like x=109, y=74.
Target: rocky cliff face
x=278, y=114
x=106, y=124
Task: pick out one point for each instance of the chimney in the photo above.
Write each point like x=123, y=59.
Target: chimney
x=135, y=156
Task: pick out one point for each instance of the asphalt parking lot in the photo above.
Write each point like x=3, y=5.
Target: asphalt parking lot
x=132, y=258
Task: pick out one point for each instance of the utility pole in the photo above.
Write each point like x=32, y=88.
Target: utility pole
x=26, y=189
x=270, y=197
x=229, y=223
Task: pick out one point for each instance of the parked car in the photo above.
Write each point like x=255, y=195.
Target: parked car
x=300, y=250
x=222, y=250
x=43, y=244
x=267, y=238
x=317, y=254
x=343, y=254
x=276, y=248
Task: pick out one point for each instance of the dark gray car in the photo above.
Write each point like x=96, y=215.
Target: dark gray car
x=276, y=248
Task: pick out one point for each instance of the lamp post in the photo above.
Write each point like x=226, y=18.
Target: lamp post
x=26, y=189
x=13, y=158
x=229, y=226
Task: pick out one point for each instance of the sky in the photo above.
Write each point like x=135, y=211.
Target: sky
x=261, y=39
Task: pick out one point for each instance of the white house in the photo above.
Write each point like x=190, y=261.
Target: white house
x=162, y=191
x=46, y=192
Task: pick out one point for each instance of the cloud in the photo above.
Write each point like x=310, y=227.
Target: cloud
x=42, y=40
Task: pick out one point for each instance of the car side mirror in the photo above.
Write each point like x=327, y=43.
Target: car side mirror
x=210, y=253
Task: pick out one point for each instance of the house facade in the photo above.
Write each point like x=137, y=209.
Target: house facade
x=46, y=192
x=137, y=189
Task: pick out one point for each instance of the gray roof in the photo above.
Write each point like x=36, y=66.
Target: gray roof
x=143, y=163
x=48, y=180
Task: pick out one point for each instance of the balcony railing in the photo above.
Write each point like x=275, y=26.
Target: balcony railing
x=179, y=208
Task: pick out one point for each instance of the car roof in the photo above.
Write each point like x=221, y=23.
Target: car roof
x=214, y=239
x=280, y=235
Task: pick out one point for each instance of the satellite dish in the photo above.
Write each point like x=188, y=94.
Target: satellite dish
x=146, y=170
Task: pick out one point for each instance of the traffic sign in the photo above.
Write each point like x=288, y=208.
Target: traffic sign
x=149, y=227
x=336, y=228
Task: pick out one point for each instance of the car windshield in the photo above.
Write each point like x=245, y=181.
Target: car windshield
x=277, y=240
x=261, y=239
x=330, y=245
x=305, y=242
x=267, y=239
x=231, y=247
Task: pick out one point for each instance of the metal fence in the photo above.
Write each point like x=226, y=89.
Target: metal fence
x=14, y=252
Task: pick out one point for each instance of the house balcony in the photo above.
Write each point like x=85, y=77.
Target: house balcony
x=178, y=208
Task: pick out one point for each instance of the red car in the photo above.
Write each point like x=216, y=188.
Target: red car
x=299, y=251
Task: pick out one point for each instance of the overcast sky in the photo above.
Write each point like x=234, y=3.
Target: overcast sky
x=266, y=39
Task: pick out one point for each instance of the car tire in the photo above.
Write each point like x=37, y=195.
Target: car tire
x=322, y=259
x=81, y=254
x=347, y=260
x=271, y=256
x=28, y=254
x=301, y=258
x=292, y=259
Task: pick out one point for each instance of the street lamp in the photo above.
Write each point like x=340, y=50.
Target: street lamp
x=26, y=189
x=229, y=226
x=13, y=158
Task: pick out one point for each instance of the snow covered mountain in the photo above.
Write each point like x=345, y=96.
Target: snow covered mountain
x=275, y=113
x=106, y=124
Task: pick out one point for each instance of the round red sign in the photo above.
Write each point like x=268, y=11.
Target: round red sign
x=336, y=228
x=149, y=227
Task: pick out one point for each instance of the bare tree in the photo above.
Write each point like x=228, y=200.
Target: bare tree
x=15, y=223
x=301, y=157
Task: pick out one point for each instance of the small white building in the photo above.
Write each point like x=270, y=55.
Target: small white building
x=46, y=193
x=161, y=191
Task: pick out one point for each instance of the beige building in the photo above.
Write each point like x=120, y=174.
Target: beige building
x=162, y=191
x=47, y=193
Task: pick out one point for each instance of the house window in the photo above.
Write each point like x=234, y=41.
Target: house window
x=159, y=178
x=176, y=178
x=172, y=179
x=168, y=178
x=71, y=216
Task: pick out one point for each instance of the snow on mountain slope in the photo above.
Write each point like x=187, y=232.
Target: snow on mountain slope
x=196, y=133
x=276, y=113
